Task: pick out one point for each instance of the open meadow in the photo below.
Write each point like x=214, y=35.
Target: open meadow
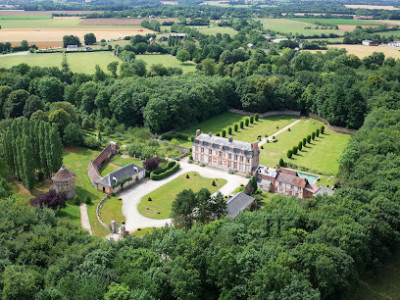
x=167, y=61
x=333, y=22
x=294, y=26
x=160, y=205
x=78, y=62
x=217, y=29
x=362, y=51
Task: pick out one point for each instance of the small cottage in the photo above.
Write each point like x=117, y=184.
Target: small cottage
x=237, y=203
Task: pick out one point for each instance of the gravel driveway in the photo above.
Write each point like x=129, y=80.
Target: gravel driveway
x=131, y=197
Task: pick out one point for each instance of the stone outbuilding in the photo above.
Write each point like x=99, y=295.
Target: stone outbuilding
x=64, y=182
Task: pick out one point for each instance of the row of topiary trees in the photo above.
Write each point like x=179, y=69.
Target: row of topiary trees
x=303, y=142
x=246, y=122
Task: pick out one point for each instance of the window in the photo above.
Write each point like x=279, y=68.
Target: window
x=210, y=151
x=236, y=157
x=202, y=150
x=241, y=158
x=248, y=160
x=290, y=193
x=292, y=187
x=209, y=159
x=297, y=195
x=229, y=164
x=196, y=157
x=220, y=154
x=230, y=156
x=280, y=183
x=220, y=162
x=235, y=165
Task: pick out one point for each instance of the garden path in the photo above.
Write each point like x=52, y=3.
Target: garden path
x=85, y=218
x=264, y=140
x=131, y=198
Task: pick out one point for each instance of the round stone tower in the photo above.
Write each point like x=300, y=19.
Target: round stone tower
x=64, y=182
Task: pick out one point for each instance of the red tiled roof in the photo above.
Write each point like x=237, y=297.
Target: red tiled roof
x=291, y=177
x=93, y=168
x=63, y=175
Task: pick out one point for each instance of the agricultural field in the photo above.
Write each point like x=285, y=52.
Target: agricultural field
x=321, y=156
x=286, y=26
x=78, y=62
x=162, y=198
x=264, y=126
x=120, y=22
x=333, y=22
x=362, y=51
x=167, y=61
x=360, y=6
x=217, y=29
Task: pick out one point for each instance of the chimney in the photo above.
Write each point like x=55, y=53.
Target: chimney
x=230, y=139
x=197, y=132
x=210, y=134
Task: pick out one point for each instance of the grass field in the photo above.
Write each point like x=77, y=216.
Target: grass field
x=272, y=152
x=217, y=29
x=362, y=51
x=264, y=126
x=167, y=61
x=78, y=62
x=28, y=17
x=323, y=153
x=163, y=197
x=332, y=22
x=112, y=211
x=295, y=26
x=383, y=284
x=118, y=162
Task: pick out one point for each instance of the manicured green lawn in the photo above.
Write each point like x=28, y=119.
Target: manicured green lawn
x=112, y=210
x=72, y=213
x=163, y=197
x=77, y=160
x=272, y=152
x=295, y=26
x=217, y=29
x=78, y=62
x=108, y=168
x=264, y=126
x=167, y=61
x=123, y=161
x=142, y=232
x=323, y=153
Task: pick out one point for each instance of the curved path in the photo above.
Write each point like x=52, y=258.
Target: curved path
x=131, y=198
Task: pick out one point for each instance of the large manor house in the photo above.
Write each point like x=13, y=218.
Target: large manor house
x=243, y=157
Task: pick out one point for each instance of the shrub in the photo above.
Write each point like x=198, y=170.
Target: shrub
x=149, y=199
x=92, y=143
x=230, y=171
x=251, y=119
x=213, y=183
x=317, y=132
x=246, y=122
x=187, y=176
x=76, y=200
x=313, y=135
x=169, y=171
x=88, y=200
x=300, y=146
x=294, y=150
x=289, y=154
x=241, y=124
x=224, y=133
x=51, y=199
x=304, y=142
x=262, y=147
x=256, y=117
x=230, y=130
x=308, y=138
x=218, y=134
x=282, y=162
x=289, y=129
x=151, y=164
x=236, y=127
x=322, y=129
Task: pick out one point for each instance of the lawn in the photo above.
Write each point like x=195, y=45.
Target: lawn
x=163, y=197
x=143, y=231
x=323, y=154
x=272, y=152
x=77, y=160
x=383, y=284
x=118, y=162
x=112, y=211
x=295, y=26
x=78, y=62
x=167, y=61
x=72, y=22
x=264, y=126
x=333, y=22
x=217, y=29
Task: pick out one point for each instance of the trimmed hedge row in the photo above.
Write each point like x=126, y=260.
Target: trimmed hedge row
x=175, y=135
x=166, y=171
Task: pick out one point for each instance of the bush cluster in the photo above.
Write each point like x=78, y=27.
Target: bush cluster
x=161, y=173
x=175, y=135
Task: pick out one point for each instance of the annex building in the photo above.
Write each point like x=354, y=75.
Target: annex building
x=225, y=153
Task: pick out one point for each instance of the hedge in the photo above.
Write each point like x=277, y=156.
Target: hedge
x=166, y=173
x=170, y=136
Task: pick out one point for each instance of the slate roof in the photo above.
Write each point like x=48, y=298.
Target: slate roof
x=121, y=174
x=290, y=177
x=237, y=203
x=63, y=175
x=216, y=141
x=324, y=190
